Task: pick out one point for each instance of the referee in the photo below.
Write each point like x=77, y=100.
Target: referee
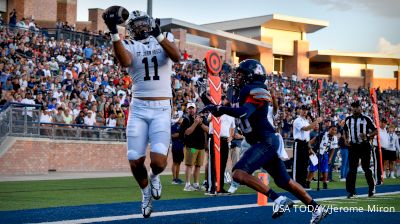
x=301, y=151
x=360, y=129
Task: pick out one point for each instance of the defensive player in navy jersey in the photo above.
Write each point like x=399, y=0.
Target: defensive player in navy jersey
x=252, y=112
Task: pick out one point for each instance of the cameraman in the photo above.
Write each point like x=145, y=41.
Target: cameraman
x=194, y=130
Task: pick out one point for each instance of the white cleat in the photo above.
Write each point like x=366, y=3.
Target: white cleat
x=318, y=215
x=147, y=207
x=232, y=189
x=156, y=187
x=279, y=208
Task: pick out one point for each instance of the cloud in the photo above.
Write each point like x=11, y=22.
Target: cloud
x=385, y=8
x=384, y=46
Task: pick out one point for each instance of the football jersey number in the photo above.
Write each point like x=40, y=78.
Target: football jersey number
x=244, y=125
x=145, y=61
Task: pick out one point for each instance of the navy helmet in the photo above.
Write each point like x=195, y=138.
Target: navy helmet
x=249, y=71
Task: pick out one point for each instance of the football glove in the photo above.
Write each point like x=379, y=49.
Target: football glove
x=156, y=30
x=111, y=20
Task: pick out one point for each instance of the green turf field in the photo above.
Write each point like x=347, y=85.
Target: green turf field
x=53, y=193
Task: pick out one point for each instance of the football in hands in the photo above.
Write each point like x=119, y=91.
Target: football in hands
x=116, y=11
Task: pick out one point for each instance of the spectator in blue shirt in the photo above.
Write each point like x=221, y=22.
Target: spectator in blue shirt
x=8, y=86
x=88, y=51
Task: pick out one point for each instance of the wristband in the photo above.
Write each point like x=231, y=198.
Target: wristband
x=160, y=38
x=115, y=37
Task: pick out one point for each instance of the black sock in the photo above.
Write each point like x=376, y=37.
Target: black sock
x=271, y=194
x=314, y=205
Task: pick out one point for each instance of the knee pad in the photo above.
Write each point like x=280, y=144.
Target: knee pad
x=134, y=155
x=160, y=148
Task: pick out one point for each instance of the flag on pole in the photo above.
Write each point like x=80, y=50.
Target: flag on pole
x=374, y=101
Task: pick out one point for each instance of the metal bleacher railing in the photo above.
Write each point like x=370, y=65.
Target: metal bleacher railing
x=63, y=34
x=23, y=120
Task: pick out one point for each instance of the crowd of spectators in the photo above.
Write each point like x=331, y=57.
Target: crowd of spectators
x=291, y=94
x=65, y=77
x=79, y=83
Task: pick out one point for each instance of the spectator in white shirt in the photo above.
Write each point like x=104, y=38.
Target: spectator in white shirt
x=45, y=117
x=52, y=43
x=46, y=70
x=89, y=120
x=32, y=25
x=111, y=121
x=57, y=94
x=384, y=142
x=28, y=100
x=53, y=65
x=23, y=83
x=393, y=151
x=110, y=88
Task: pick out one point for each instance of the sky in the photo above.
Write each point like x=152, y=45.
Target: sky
x=354, y=26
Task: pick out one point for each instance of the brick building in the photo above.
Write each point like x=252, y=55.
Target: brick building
x=47, y=12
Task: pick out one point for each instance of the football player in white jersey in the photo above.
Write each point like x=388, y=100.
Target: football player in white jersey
x=148, y=56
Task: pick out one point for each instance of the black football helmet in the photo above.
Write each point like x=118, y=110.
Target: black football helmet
x=139, y=25
x=249, y=71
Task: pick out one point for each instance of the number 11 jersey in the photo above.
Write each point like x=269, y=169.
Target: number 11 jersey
x=151, y=68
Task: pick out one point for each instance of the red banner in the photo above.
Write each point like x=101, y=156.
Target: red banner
x=214, y=65
x=376, y=119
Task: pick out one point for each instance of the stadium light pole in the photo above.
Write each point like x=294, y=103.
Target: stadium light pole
x=150, y=8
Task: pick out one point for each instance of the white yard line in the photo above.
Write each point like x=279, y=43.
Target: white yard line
x=190, y=211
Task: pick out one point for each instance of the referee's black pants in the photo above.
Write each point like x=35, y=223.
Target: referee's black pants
x=224, y=153
x=356, y=152
x=300, y=161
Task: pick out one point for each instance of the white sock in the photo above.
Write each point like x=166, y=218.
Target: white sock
x=152, y=176
x=187, y=184
x=145, y=190
x=196, y=184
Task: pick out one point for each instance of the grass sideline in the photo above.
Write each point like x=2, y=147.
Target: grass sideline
x=19, y=195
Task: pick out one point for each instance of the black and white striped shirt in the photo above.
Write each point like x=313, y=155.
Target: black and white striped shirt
x=355, y=125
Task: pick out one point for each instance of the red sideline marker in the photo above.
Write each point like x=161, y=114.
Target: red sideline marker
x=214, y=66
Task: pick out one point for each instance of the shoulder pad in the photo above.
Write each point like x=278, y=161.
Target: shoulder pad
x=261, y=94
